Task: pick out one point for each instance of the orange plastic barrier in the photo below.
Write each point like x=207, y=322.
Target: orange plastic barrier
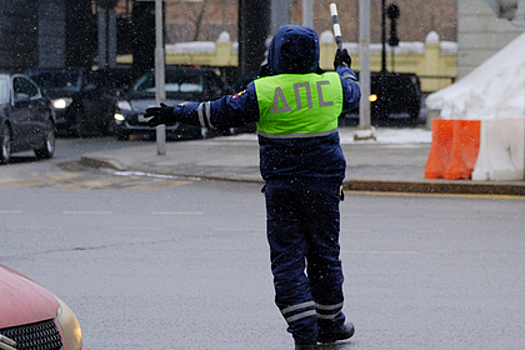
x=454, y=149
x=440, y=148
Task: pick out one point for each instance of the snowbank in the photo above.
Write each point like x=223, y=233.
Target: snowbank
x=494, y=90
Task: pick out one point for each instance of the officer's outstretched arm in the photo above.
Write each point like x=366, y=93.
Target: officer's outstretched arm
x=226, y=112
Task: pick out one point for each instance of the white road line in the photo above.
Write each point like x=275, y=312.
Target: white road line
x=87, y=212
x=139, y=229
x=381, y=252
x=364, y=215
x=239, y=229
x=177, y=213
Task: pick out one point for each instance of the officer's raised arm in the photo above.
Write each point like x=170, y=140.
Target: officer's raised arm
x=351, y=90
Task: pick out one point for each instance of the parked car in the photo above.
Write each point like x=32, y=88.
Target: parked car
x=182, y=85
x=27, y=121
x=84, y=100
x=395, y=98
x=33, y=318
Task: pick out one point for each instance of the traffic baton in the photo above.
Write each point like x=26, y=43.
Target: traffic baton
x=6, y=343
x=337, y=28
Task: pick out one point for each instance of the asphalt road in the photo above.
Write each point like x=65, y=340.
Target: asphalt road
x=177, y=264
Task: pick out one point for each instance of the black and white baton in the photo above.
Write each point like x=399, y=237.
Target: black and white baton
x=337, y=28
x=6, y=343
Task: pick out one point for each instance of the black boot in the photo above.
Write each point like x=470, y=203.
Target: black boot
x=345, y=331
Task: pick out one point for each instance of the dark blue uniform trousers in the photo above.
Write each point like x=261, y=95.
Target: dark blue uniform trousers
x=303, y=224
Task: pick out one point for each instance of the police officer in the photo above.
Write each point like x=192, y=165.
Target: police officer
x=296, y=108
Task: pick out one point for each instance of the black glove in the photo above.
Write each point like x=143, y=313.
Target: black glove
x=342, y=57
x=160, y=115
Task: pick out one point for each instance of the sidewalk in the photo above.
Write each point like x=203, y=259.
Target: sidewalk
x=394, y=162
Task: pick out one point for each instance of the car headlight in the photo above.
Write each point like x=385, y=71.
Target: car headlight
x=124, y=105
x=119, y=117
x=70, y=326
x=61, y=103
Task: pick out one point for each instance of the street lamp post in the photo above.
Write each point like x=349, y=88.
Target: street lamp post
x=383, y=36
x=364, y=130
x=160, y=89
x=308, y=13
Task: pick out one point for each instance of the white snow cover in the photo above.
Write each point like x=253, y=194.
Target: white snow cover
x=190, y=47
x=494, y=90
x=405, y=47
x=447, y=47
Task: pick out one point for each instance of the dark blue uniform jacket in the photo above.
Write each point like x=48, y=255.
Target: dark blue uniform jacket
x=293, y=158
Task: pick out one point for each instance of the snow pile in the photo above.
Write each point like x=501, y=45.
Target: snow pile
x=494, y=90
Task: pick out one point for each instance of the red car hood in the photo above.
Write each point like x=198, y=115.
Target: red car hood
x=22, y=301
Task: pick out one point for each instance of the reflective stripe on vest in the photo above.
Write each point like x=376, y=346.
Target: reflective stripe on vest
x=299, y=105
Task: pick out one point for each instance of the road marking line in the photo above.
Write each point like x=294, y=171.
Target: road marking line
x=138, y=229
x=85, y=184
x=160, y=185
x=63, y=176
x=10, y=212
x=240, y=229
x=86, y=212
x=177, y=213
x=19, y=183
x=381, y=252
x=364, y=215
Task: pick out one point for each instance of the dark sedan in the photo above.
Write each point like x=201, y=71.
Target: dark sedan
x=27, y=121
x=84, y=100
x=182, y=85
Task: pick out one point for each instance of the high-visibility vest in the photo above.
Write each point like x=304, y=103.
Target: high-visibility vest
x=299, y=105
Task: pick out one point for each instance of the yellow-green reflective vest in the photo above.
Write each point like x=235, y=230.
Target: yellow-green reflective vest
x=299, y=105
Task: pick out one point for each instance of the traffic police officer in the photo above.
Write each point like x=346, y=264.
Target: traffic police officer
x=296, y=108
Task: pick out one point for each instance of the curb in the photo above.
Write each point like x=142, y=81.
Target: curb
x=435, y=187
x=423, y=187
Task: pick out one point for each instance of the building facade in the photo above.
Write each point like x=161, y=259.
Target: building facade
x=18, y=34
x=46, y=33
x=481, y=34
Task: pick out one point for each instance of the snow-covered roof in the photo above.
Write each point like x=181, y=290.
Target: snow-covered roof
x=405, y=47
x=194, y=46
x=494, y=90
x=446, y=47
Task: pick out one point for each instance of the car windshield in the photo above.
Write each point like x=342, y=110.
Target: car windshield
x=4, y=89
x=175, y=83
x=59, y=80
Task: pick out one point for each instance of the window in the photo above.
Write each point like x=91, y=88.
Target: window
x=4, y=90
x=24, y=86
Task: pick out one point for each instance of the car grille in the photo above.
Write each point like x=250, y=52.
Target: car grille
x=37, y=336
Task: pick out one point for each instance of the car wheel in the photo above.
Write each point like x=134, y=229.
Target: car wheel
x=48, y=149
x=5, y=142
